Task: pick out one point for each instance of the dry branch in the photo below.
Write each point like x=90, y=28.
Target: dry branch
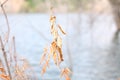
x=5, y=58
x=7, y=22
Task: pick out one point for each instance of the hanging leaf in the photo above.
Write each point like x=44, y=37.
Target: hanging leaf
x=52, y=28
x=60, y=54
x=44, y=55
x=61, y=29
x=59, y=42
x=54, y=47
x=65, y=73
x=52, y=19
x=55, y=58
x=44, y=69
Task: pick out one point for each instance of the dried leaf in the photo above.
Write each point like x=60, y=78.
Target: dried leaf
x=55, y=49
x=52, y=19
x=44, y=55
x=59, y=42
x=44, y=69
x=61, y=29
x=53, y=46
x=2, y=70
x=65, y=73
x=55, y=34
x=55, y=58
x=60, y=54
x=51, y=50
x=5, y=77
x=67, y=78
x=68, y=71
x=52, y=28
x=47, y=63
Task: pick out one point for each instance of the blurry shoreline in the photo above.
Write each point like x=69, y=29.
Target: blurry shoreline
x=67, y=14
x=60, y=6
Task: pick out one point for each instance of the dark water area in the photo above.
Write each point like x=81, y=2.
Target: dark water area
x=90, y=47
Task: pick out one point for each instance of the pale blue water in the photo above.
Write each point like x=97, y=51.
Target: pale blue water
x=95, y=54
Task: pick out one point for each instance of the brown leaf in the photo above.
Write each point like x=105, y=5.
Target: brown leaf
x=5, y=77
x=2, y=70
x=53, y=46
x=60, y=54
x=52, y=27
x=52, y=19
x=61, y=29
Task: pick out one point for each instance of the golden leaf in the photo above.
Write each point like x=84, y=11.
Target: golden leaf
x=46, y=58
x=52, y=19
x=55, y=34
x=59, y=42
x=55, y=58
x=44, y=69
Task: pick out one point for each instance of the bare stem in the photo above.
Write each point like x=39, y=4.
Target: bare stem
x=5, y=58
x=15, y=55
x=6, y=18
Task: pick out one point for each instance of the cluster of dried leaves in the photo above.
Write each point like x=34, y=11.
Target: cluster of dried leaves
x=55, y=49
x=12, y=67
x=3, y=74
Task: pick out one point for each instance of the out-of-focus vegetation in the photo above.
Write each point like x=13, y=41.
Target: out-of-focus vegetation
x=64, y=5
x=33, y=6
x=59, y=5
x=14, y=68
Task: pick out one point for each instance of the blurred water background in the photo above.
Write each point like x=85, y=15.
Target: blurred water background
x=90, y=47
x=93, y=50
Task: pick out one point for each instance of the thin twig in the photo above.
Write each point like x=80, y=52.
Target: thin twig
x=1, y=65
x=5, y=58
x=4, y=2
x=15, y=55
x=6, y=18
